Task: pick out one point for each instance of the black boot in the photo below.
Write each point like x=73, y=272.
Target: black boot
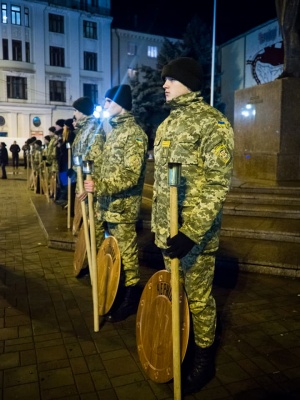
x=201, y=372
x=128, y=305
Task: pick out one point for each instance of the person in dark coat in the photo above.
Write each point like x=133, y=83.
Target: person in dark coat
x=15, y=150
x=3, y=159
x=68, y=136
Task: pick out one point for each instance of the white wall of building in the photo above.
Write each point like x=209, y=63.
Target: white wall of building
x=18, y=114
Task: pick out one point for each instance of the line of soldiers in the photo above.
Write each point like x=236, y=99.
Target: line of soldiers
x=48, y=162
x=195, y=136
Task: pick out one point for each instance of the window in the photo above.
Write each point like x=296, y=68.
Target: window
x=152, y=51
x=26, y=16
x=16, y=87
x=57, y=91
x=27, y=51
x=57, y=56
x=16, y=15
x=90, y=61
x=4, y=18
x=131, y=49
x=91, y=91
x=5, y=49
x=56, y=23
x=90, y=29
x=17, y=50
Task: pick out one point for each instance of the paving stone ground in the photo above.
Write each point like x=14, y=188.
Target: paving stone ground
x=49, y=350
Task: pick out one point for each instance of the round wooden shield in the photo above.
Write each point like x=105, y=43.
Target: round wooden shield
x=108, y=271
x=80, y=251
x=77, y=216
x=154, y=327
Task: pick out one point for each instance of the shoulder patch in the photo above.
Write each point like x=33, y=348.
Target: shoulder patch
x=222, y=152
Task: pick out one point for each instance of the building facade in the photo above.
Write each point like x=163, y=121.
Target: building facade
x=51, y=53
x=131, y=50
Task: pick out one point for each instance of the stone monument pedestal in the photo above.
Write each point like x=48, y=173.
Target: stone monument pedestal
x=267, y=131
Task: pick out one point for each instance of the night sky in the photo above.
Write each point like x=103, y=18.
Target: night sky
x=167, y=18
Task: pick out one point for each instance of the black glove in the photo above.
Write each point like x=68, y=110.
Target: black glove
x=44, y=158
x=71, y=173
x=180, y=245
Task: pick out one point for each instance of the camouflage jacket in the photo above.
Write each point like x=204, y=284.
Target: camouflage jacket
x=51, y=154
x=85, y=135
x=95, y=152
x=37, y=158
x=200, y=138
x=120, y=183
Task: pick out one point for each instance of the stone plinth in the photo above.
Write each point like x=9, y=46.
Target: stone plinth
x=267, y=131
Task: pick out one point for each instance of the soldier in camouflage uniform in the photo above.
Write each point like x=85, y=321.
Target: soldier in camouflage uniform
x=118, y=185
x=37, y=165
x=51, y=159
x=31, y=181
x=200, y=138
x=87, y=131
x=88, y=143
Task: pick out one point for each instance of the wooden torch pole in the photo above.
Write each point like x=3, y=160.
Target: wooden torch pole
x=28, y=166
x=77, y=162
x=174, y=180
x=39, y=173
x=88, y=167
x=69, y=188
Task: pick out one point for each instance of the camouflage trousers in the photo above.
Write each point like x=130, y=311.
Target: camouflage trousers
x=197, y=273
x=126, y=236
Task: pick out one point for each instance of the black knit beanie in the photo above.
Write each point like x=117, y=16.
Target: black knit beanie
x=84, y=105
x=47, y=137
x=52, y=129
x=31, y=140
x=121, y=95
x=60, y=122
x=185, y=70
x=69, y=123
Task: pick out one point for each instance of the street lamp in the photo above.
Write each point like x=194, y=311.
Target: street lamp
x=212, y=84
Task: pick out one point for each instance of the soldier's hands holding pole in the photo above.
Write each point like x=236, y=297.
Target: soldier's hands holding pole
x=180, y=245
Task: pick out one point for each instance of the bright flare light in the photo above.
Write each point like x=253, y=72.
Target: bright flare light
x=245, y=113
x=97, y=112
x=105, y=114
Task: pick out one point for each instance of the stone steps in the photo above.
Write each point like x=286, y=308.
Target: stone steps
x=260, y=229
x=264, y=228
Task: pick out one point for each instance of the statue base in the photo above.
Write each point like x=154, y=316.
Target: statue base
x=267, y=131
